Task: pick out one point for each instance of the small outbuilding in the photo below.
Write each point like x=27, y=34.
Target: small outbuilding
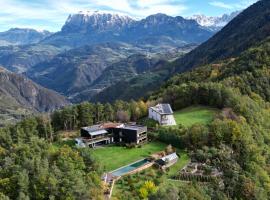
x=167, y=161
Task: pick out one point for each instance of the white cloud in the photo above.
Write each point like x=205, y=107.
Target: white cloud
x=233, y=6
x=221, y=5
x=142, y=8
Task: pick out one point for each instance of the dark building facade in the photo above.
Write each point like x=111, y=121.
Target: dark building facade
x=113, y=133
x=130, y=134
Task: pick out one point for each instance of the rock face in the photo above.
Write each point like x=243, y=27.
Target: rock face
x=18, y=36
x=91, y=28
x=19, y=91
x=87, y=22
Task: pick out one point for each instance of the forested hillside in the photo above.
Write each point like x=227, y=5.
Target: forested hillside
x=131, y=88
x=32, y=168
x=237, y=142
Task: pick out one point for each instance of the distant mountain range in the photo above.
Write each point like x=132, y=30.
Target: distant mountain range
x=22, y=36
x=95, y=50
x=107, y=27
x=159, y=29
x=157, y=33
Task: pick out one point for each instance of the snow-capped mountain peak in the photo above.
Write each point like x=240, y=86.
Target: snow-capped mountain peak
x=204, y=20
x=214, y=22
x=96, y=20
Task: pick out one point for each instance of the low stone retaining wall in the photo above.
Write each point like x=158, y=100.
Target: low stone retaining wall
x=111, y=190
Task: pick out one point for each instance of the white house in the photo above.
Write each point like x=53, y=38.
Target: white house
x=163, y=114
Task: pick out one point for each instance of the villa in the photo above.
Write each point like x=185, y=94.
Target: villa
x=163, y=114
x=108, y=133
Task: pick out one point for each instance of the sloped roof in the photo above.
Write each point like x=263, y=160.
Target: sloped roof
x=135, y=127
x=95, y=130
x=163, y=109
x=169, y=157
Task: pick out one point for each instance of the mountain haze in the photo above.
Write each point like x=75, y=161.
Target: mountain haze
x=19, y=59
x=22, y=36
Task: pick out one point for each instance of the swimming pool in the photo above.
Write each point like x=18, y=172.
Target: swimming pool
x=124, y=170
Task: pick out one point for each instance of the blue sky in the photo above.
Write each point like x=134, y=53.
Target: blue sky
x=51, y=14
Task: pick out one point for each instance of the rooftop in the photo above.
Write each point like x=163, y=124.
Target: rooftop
x=95, y=130
x=102, y=128
x=169, y=157
x=92, y=128
x=163, y=109
x=134, y=127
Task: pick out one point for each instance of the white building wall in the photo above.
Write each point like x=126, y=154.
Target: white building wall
x=162, y=119
x=152, y=114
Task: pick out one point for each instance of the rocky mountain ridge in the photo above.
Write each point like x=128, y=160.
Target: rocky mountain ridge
x=19, y=96
x=214, y=23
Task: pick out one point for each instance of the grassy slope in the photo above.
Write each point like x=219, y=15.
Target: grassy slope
x=182, y=161
x=195, y=114
x=113, y=157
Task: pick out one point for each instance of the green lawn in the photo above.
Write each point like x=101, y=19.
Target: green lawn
x=195, y=114
x=113, y=157
x=182, y=161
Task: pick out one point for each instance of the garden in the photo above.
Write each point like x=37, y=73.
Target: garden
x=145, y=183
x=113, y=157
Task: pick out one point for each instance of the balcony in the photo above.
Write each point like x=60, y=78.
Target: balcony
x=97, y=139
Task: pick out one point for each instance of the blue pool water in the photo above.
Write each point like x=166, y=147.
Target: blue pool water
x=124, y=170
